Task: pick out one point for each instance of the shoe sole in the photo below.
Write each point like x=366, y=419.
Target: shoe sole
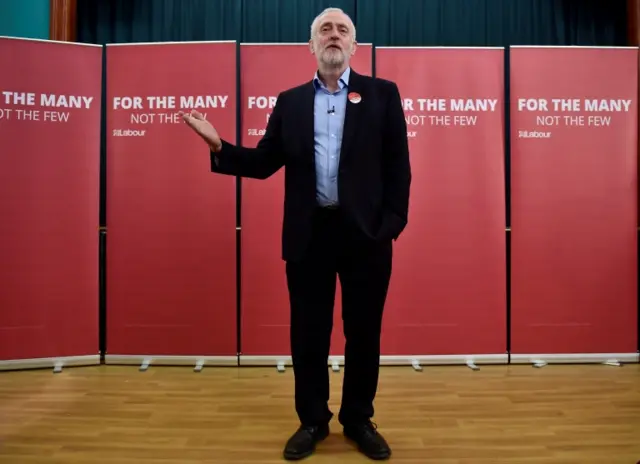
x=375, y=457
x=297, y=457
x=306, y=454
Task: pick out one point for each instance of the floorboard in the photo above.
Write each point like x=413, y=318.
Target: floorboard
x=445, y=415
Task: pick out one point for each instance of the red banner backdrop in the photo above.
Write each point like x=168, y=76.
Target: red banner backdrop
x=265, y=299
x=49, y=191
x=447, y=299
x=171, y=247
x=574, y=204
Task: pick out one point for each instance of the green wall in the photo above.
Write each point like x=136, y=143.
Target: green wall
x=25, y=18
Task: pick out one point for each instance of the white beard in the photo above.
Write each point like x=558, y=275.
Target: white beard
x=333, y=57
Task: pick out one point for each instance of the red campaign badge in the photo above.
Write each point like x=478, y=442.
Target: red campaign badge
x=354, y=97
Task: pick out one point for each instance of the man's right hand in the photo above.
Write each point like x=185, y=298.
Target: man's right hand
x=203, y=128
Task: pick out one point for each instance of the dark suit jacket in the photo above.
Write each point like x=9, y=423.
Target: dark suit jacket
x=374, y=173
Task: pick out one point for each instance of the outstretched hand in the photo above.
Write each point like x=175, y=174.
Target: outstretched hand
x=203, y=128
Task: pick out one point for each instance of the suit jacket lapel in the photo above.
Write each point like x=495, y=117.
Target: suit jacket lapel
x=307, y=121
x=352, y=115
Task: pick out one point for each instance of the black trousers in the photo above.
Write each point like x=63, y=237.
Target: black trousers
x=363, y=266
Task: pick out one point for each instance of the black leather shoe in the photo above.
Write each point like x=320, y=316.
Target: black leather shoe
x=369, y=441
x=303, y=442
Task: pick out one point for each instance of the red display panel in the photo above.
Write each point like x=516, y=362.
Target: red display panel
x=171, y=247
x=448, y=288
x=49, y=199
x=574, y=201
x=265, y=298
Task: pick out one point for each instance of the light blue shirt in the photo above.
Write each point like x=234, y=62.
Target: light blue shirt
x=329, y=111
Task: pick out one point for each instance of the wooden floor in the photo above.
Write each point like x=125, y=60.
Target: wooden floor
x=443, y=415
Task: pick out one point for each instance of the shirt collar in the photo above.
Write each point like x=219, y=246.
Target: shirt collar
x=342, y=82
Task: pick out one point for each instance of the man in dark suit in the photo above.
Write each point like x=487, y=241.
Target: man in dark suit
x=342, y=139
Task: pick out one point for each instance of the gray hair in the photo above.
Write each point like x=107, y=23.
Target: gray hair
x=316, y=21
